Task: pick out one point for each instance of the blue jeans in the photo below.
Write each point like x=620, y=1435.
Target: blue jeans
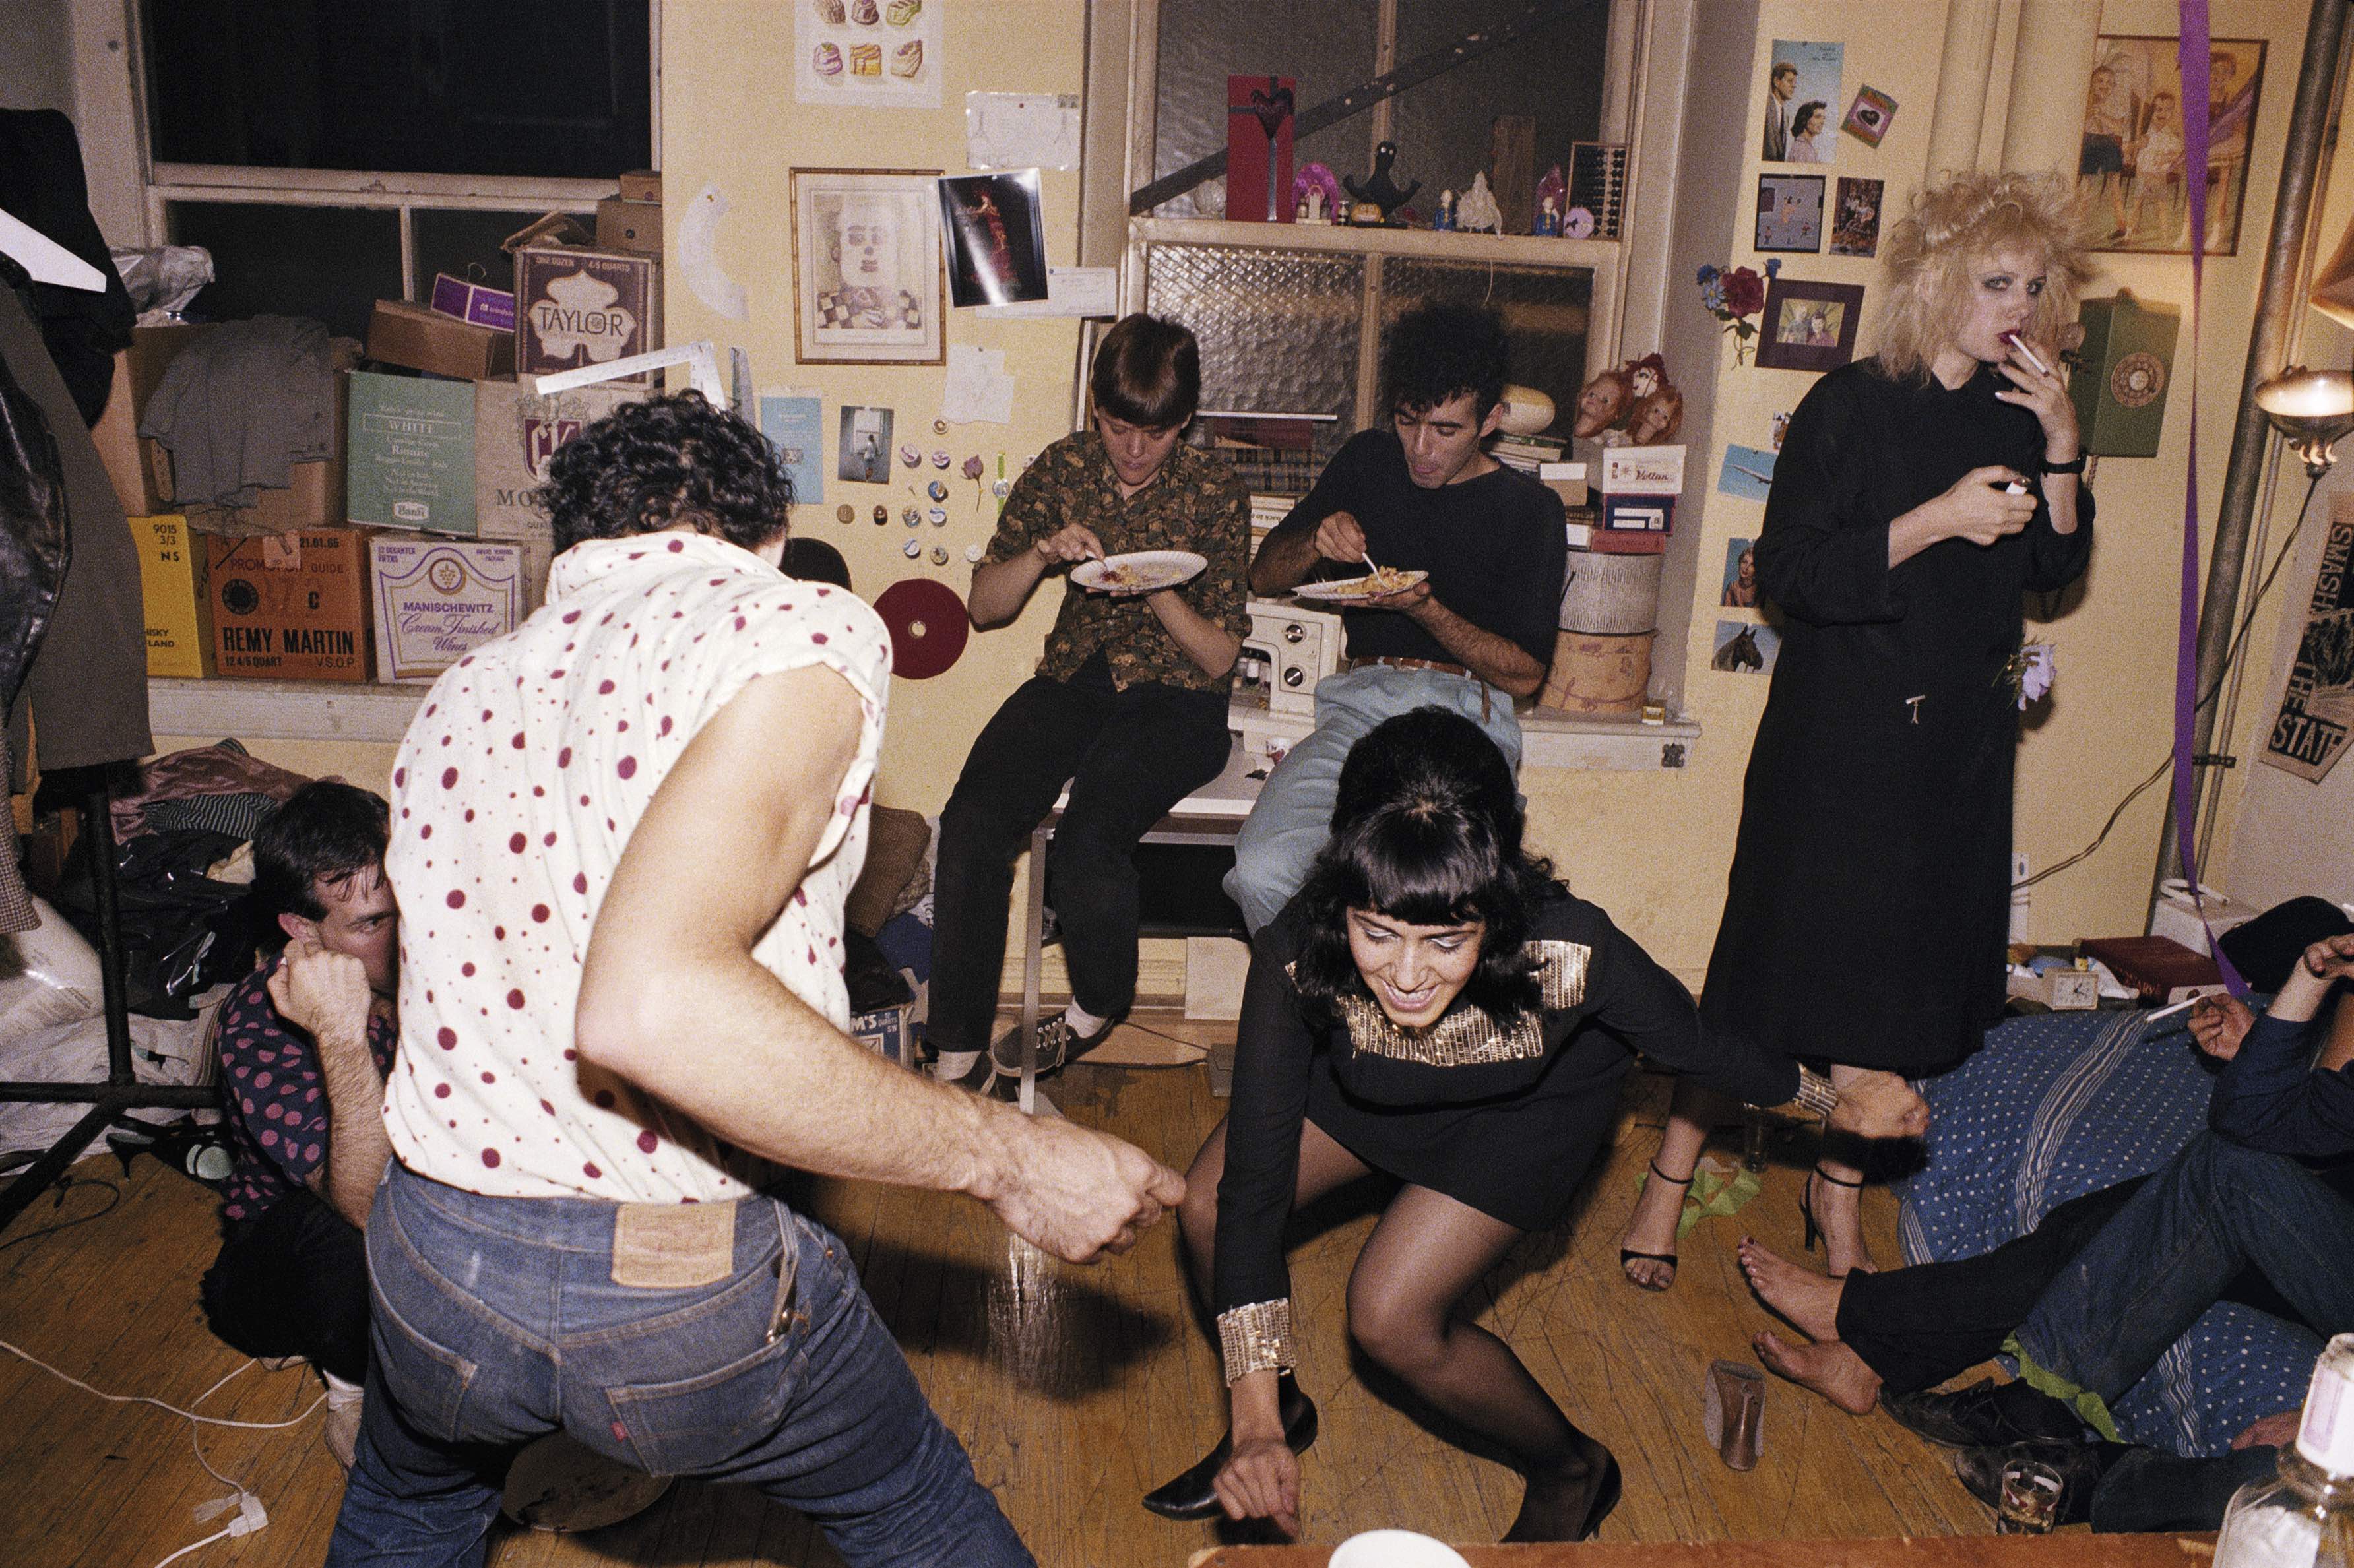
x=2214, y=1210
x=1278, y=845
x=498, y=1321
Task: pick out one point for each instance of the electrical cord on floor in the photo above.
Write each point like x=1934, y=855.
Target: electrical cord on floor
x=67, y=1185
x=2231, y=657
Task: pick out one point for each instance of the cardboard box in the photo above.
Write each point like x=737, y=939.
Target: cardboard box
x=435, y=599
x=476, y=302
x=517, y=433
x=1638, y=514
x=1566, y=480
x=172, y=591
x=1586, y=533
x=412, y=452
x=888, y=1032
x=575, y=308
x=138, y=370
x=641, y=185
x=635, y=226
x=1634, y=471
x=420, y=338
x=314, y=494
x=290, y=607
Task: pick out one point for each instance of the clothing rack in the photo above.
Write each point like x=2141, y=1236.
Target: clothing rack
x=121, y=1091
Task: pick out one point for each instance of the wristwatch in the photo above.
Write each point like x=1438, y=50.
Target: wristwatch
x=2073, y=465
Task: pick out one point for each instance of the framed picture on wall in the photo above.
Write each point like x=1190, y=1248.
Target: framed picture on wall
x=2130, y=161
x=1790, y=213
x=867, y=286
x=1809, y=325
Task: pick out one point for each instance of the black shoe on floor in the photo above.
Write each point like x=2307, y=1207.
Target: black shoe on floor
x=2080, y=1467
x=1057, y=1046
x=1986, y=1414
x=1193, y=1495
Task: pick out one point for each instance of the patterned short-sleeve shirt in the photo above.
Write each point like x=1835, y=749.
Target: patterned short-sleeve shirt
x=514, y=796
x=278, y=1112
x=1196, y=502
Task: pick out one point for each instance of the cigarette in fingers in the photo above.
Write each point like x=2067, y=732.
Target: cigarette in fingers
x=2019, y=346
x=2178, y=1007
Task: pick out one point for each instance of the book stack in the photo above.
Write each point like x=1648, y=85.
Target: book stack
x=1528, y=453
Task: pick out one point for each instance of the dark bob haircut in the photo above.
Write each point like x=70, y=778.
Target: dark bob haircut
x=1148, y=372
x=1426, y=829
x=325, y=832
x=656, y=465
x=1444, y=350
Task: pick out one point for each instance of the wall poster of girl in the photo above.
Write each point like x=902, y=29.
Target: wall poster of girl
x=2130, y=164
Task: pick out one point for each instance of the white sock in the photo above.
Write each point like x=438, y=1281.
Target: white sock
x=339, y=1392
x=954, y=1065
x=1083, y=1022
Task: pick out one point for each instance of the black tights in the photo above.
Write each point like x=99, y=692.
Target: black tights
x=1424, y=1256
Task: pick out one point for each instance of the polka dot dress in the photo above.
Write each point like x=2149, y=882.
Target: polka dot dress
x=514, y=796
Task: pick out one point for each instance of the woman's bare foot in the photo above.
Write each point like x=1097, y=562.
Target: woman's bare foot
x=1835, y=1208
x=1808, y=1300
x=1651, y=1233
x=1829, y=1369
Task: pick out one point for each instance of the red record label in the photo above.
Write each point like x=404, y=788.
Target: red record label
x=927, y=624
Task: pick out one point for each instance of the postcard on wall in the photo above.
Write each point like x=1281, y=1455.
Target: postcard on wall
x=1747, y=473
x=2316, y=708
x=1870, y=116
x=2129, y=163
x=794, y=422
x=1739, y=590
x=863, y=456
x=1855, y=220
x=1802, y=90
x=1789, y=213
x=1744, y=648
x=871, y=54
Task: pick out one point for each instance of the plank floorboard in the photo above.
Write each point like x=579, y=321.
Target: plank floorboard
x=1074, y=1390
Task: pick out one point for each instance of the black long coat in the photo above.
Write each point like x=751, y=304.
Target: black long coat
x=1869, y=900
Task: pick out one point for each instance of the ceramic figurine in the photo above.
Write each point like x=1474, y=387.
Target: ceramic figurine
x=1477, y=213
x=1601, y=404
x=1553, y=186
x=1380, y=189
x=1548, y=221
x=1443, y=219
x=1316, y=194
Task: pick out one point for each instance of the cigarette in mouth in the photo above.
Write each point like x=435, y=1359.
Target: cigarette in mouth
x=2019, y=344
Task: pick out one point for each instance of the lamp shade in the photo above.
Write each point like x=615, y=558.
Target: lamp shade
x=2312, y=409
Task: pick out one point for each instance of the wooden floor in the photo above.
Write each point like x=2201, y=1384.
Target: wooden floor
x=1076, y=1390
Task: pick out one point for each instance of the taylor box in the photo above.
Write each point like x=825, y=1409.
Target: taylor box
x=411, y=455
x=575, y=308
x=290, y=607
x=435, y=600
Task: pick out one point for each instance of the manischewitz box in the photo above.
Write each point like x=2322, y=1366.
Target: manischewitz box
x=575, y=308
x=437, y=599
x=289, y=606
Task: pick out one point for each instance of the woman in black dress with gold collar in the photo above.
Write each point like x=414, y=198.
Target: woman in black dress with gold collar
x=1436, y=1007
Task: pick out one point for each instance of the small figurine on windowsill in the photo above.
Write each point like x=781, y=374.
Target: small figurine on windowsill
x=1316, y=196
x=1553, y=188
x=1443, y=219
x=1380, y=189
x=1548, y=219
x=1477, y=213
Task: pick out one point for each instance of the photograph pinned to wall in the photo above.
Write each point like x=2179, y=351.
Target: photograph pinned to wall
x=864, y=454
x=2316, y=708
x=1789, y=213
x=871, y=54
x=2130, y=163
x=1809, y=325
x=1855, y=219
x=997, y=238
x=1802, y=84
x=867, y=267
x=1740, y=587
x=1746, y=472
x=1870, y=116
x=1744, y=648
x=1779, y=428
x=794, y=422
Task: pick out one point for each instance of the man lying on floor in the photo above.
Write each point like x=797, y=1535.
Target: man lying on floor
x=2094, y=1295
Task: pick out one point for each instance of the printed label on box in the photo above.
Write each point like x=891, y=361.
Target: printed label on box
x=1642, y=470
x=578, y=308
x=412, y=452
x=172, y=594
x=436, y=601
x=309, y=622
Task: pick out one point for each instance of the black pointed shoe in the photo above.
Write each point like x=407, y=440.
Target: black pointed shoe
x=1193, y=1495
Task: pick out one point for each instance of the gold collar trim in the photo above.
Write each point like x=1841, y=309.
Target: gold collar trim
x=1473, y=1036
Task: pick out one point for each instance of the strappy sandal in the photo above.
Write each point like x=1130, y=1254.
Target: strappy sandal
x=1628, y=1254
x=1806, y=1210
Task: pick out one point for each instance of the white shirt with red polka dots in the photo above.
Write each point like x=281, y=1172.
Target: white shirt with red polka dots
x=514, y=796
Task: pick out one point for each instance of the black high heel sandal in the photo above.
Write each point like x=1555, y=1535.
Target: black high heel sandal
x=1628, y=1254
x=1193, y=1494
x=1806, y=1210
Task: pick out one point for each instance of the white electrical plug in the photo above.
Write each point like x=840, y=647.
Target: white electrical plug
x=250, y=1516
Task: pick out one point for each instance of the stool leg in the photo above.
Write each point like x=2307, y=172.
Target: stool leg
x=1034, y=936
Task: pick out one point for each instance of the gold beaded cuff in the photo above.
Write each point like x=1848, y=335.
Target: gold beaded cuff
x=1254, y=1338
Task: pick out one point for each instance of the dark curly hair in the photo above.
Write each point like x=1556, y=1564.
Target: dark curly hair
x=1426, y=829
x=653, y=465
x=327, y=833
x=1442, y=351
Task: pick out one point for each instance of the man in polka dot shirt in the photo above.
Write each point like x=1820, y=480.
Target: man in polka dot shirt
x=622, y=836
x=304, y=1044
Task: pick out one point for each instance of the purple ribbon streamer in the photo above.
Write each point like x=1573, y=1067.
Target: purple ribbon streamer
x=2191, y=60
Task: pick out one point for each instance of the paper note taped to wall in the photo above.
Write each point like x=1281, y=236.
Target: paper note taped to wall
x=1022, y=130
x=698, y=262
x=1070, y=292
x=978, y=391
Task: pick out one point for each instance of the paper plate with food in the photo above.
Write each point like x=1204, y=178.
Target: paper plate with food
x=1379, y=583
x=1139, y=571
